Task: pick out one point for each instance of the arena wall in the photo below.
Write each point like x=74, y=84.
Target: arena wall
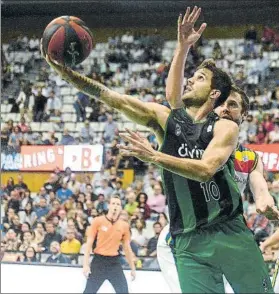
x=57, y=279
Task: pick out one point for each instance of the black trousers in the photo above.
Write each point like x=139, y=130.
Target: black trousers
x=106, y=268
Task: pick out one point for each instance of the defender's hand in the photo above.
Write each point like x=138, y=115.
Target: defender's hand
x=186, y=34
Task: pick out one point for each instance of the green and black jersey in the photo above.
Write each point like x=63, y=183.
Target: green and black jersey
x=194, y=204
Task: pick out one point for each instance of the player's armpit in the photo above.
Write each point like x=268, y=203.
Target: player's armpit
x=221, y=146
x=149, y=114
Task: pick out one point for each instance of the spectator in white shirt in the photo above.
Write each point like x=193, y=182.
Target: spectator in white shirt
x=139, y=234
x=53, y=103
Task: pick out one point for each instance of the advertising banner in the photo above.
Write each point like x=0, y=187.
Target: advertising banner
x=47, y=158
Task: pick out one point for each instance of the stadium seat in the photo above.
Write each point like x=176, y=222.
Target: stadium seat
x=68, y=99
x=79, y=126
x=95, y=126
x=12, y=116
x=68, y=108
x=67, y=117
x=4, y=108
x=70, y=126
x=9, y=107
x=35, y=126
x=46, y=127
x=74, y=91
x=65, y=91
x=74, y=117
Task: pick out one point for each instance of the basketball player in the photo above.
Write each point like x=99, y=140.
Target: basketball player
x=205, y=203
x=248, y=167
x=109, y=231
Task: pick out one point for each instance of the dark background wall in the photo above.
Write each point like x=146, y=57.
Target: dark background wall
x=33, y=16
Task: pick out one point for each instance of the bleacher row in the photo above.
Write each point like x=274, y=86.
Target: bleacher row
x=75, y=128
x=67, y=93
x=236, y=45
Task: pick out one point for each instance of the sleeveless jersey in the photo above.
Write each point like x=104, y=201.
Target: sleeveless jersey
x=244, y=163
x=192, y=204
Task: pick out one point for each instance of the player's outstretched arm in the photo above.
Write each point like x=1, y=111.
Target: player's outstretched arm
x=264, y=201
x=215, y=156
x=152, y=115
x=186, y=37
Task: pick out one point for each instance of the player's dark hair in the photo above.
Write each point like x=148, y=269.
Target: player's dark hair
x=220, y=81
x=244, y=98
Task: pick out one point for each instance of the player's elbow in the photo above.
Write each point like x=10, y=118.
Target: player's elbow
x=206, y=173
x=204, y=177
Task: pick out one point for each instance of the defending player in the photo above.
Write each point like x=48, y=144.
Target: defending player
x=109, y=231
x=206, y=208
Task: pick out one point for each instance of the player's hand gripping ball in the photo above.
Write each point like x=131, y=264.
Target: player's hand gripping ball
x=67, y=40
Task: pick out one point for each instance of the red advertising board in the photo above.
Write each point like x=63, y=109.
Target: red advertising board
x=269, y=154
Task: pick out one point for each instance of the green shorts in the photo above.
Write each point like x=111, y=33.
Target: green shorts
x=204, y=255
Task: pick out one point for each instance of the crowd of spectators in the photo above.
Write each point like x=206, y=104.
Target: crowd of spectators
x=50, y=224
x=55, y=219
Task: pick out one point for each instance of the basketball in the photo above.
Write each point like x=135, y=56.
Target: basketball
x=67, y=40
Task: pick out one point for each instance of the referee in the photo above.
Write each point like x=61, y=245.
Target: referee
x=109, y=231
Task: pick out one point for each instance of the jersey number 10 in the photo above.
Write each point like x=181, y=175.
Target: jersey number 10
x=210, y=190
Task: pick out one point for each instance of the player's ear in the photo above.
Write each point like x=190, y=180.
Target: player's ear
x=214, y=94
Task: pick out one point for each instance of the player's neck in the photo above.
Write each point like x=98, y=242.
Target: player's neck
x=199, y=113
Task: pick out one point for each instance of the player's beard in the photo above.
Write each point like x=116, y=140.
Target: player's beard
x=190, y=102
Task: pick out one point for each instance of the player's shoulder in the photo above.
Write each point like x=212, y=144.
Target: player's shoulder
x=226, y=122
x=226, y=126
x=242, y=148
x=244, y=153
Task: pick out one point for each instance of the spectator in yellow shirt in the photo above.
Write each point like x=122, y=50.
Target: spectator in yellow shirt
x=132, y=205
x=71, y=245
